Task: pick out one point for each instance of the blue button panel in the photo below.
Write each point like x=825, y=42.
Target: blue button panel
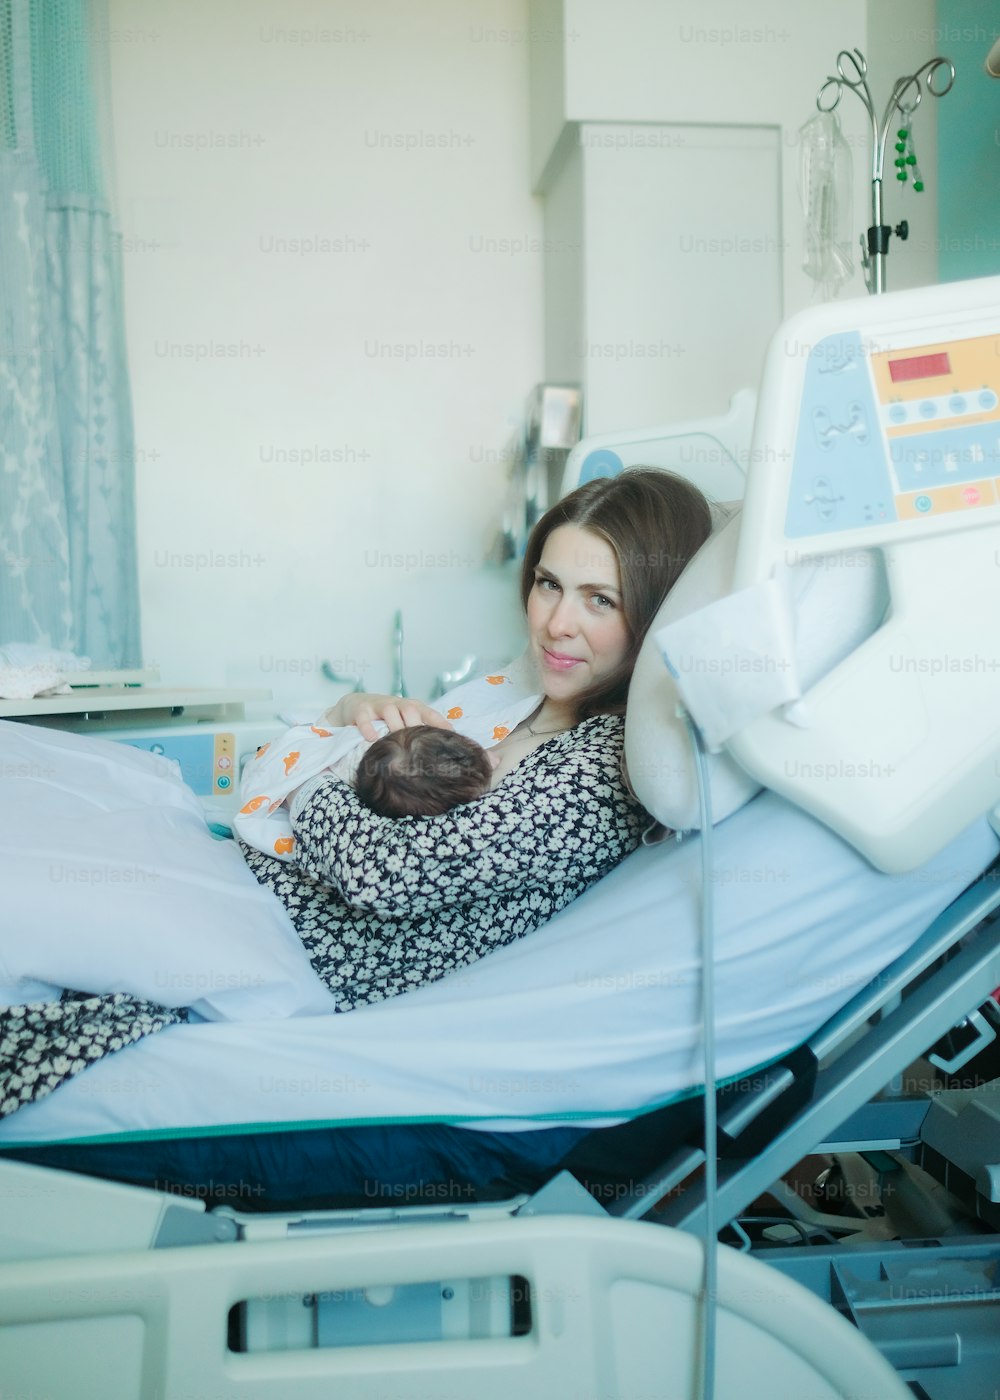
x=194, y=752
x=951, y=455
x=840, y=476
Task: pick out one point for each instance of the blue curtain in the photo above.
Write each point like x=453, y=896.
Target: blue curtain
x=68, y=576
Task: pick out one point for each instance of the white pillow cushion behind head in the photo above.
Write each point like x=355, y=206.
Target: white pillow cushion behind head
x=836, y=601
x=658, y=755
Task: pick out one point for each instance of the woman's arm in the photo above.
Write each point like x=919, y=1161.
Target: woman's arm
x=360, y=709
x=562, y=817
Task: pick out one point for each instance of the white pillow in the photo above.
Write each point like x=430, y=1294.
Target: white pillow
x=111, y=881
x=834, y=610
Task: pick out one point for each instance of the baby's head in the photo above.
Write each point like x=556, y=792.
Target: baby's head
x=422, y=771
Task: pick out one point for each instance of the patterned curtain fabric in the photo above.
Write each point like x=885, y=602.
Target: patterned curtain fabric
x=68, y=576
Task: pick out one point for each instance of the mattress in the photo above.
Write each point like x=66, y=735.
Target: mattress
x=589, y=1020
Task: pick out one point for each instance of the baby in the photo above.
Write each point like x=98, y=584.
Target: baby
x=422, y=772
x=419, y=771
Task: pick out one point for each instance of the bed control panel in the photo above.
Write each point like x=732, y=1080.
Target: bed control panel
x=895, y=434
x=211, y=757
x=208, y=760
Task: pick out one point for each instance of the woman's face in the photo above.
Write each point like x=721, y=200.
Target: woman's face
x=576, y=625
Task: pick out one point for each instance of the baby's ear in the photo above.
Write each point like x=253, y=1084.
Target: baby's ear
x=493, y=757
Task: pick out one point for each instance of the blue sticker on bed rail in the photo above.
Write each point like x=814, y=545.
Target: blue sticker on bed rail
x=601, y=462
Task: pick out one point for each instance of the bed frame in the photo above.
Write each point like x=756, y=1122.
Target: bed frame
x=429, y=1302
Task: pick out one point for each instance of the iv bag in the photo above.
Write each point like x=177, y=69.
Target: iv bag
x=825, y=185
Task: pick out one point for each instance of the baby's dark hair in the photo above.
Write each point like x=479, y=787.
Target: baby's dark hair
x=421, y=771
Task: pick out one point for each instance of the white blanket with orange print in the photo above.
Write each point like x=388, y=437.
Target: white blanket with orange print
x=485, y=710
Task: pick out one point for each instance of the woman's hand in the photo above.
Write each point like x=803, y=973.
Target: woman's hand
x=361, y=709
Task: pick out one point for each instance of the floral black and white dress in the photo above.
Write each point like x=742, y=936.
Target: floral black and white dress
x=385, y=904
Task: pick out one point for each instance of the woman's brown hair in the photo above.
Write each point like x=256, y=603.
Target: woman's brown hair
x=655, y=522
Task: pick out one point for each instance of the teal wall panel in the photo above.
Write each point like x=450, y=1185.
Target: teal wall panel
x=968, y=142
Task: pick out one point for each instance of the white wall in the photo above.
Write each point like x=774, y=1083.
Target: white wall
x=299, y=478
x=321, y=426
x=668, y=142
x=717, y=62
x=678, y=294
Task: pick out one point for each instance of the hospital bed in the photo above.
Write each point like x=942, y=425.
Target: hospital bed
x=499, y=1287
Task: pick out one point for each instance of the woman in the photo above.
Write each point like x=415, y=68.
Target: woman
x=383, y=906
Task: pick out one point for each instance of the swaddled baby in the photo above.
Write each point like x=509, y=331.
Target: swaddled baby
x=420, y=771
x=424, y=770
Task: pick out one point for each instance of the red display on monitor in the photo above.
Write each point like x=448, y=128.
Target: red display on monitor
x=919, y=367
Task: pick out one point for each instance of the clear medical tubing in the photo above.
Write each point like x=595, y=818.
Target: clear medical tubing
x=706, y=1359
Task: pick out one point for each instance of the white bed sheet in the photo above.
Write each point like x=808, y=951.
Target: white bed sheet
x=110, y=881
x=589, y=1018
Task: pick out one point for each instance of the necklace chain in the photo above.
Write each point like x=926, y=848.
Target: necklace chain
x=537, y=733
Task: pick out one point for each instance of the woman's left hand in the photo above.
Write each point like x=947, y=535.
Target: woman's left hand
x=361, y=709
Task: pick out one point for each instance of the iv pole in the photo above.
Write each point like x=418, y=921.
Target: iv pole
x=904, y=99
